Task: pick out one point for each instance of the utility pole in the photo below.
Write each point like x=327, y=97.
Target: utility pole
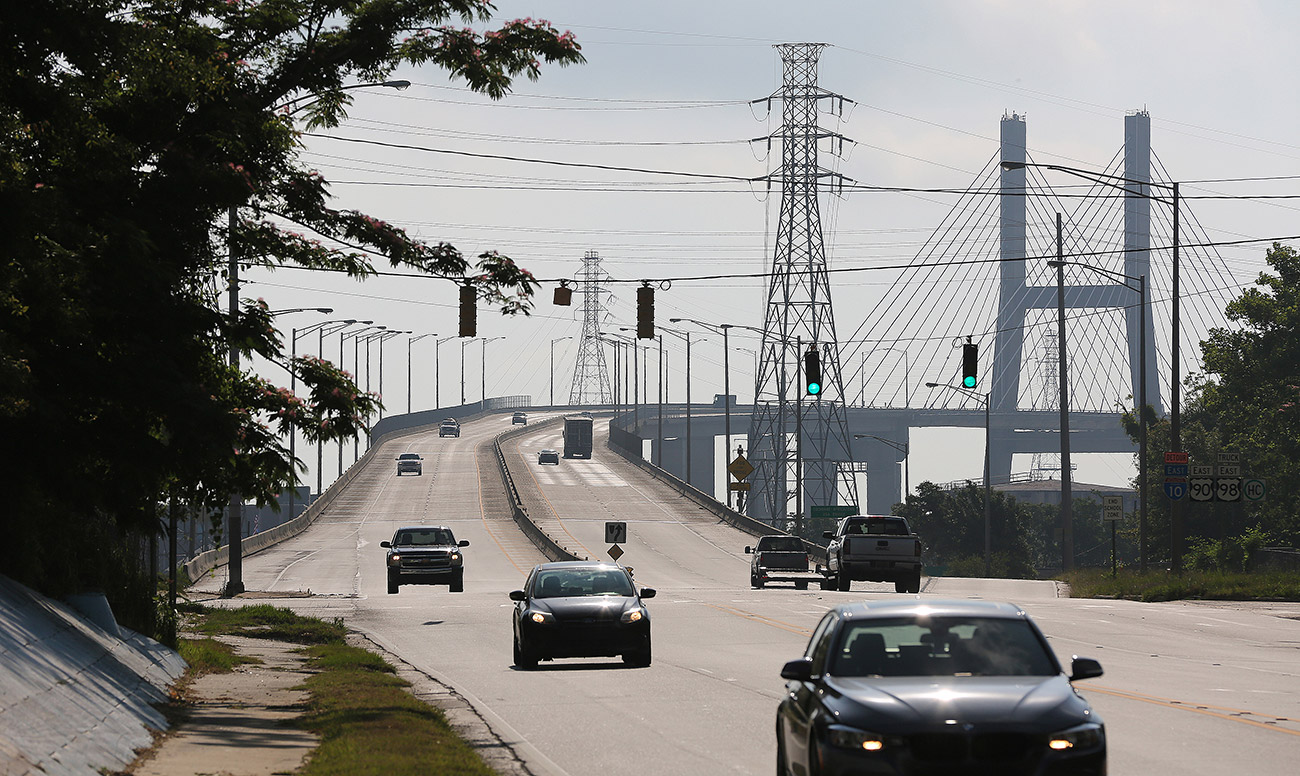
x=235, y=521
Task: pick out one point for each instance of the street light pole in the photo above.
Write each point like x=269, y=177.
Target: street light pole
x=987, y=398
x=558, y=339
x=355, y=336
x=409, y=342
x=463, y=343
x=437, y=371
x=1175, y=433
x=483, y=372
x=1067, y=497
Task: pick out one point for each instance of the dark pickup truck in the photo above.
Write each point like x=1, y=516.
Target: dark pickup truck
x=873, y=548
x=780, y=558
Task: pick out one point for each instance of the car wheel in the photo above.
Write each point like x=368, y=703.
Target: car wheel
x=756, y=583
x=393, y=583
x=843, y=582
x=828, y=583
x=523, y=658
x=902, y=586
x=458, y=583
x=800, y=585
x=814, y=755
x=916, y=582
x=640, y=658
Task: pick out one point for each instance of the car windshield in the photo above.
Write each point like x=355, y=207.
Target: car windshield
x=424, y=536
x=561, y=583
x=781, y=544
x=941, y=646
x=877, y=525
x=407, y=457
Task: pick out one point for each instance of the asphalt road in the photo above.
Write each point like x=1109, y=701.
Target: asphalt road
x=1189, y=688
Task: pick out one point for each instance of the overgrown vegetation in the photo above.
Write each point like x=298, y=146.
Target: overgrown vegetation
x=368, y=722
x=1207, y=585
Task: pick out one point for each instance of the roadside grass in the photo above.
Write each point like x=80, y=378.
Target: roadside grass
x=367, y=720
x=1202, y=585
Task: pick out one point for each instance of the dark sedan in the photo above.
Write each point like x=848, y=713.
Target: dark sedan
x=935, y=687
x=581, y=609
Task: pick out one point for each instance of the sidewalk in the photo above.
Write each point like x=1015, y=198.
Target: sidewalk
x=238, y=724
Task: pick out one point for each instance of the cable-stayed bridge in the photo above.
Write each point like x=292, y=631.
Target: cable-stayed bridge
x=983, y=273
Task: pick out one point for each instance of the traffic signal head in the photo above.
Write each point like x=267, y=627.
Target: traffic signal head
x=970, y=360
x=645, y=313
x=812, y=371
x=468, y=319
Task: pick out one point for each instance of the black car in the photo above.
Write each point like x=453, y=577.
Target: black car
x=581, y=609
x=519, y=418
x=549, y=456
x=425, y=555
x=935, y=687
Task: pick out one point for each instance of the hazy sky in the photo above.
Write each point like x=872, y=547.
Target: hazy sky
x=667, y=87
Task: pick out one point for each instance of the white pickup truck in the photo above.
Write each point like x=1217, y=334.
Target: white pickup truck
x=873, y=548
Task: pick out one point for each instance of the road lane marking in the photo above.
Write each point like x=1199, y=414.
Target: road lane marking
x=1232, y=715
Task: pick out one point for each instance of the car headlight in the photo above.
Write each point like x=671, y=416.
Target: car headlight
x=1085, y=736
x=541, y=617
x=393, y=560
x=633, y=615
x=852, y=738
x=455, y=557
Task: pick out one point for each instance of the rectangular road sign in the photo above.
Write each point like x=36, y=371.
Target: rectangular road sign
x=837, y=511
x=1229, y=458
x=1201, y=488
x=1112, y=507
x=1229, y=470
x=1172, y=457
x=1176, y=470
x=1201, y=470
x=742, y=486
x=615, y=532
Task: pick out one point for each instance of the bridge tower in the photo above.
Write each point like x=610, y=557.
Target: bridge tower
x=796, y=440
x=590, y=378
x=1018, y=298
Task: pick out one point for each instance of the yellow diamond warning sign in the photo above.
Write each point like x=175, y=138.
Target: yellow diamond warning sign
x=740, y=468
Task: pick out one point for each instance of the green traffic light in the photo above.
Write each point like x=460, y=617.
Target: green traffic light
x=814, y=388
x=968, y=381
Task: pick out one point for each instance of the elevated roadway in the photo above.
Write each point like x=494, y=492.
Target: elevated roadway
x=1189, y=688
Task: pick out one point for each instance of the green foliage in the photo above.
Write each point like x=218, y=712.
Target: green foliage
x=269, y=622
x=209, y=656
x=1248, y=402
x=951, y=526
x=1163, y=586
x=141, y=142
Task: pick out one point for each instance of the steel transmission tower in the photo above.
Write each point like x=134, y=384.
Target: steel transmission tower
x=590, y=379
x=797, y=440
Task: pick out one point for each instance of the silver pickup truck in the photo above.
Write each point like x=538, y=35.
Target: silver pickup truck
x=873, y=548
x=780, y=558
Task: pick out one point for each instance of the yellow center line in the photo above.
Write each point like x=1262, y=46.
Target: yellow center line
x=1199, y=708
x=785, y=626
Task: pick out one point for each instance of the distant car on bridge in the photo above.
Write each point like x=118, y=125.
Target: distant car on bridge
x=410, y=462
x=549, y=456
x=425, y=555
x=449, y=428
x=519, y=418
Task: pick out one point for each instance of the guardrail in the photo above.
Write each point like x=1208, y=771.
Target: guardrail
x=542, y=540
x=743, y=522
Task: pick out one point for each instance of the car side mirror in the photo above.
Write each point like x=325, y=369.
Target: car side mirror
x=385, y=544
x=648, y=592
x=1084, y=668
x=798, y=670
x=463, y=543
x=828, y=534
x=518, y=595
x=749, y=550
